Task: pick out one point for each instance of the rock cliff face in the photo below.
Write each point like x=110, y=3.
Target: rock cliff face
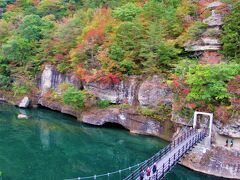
x=231, y=129
x=134, y=90
x=124, y=92
x=153, y=92
x=51, y=79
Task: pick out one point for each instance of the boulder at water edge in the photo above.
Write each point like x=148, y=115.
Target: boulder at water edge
x=22, y=116
x=25, y=102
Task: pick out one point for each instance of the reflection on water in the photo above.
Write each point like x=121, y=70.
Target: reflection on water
x=50, y=145
x=44, y=134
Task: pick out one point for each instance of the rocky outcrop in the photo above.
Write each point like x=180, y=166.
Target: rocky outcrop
x=25, y=102
x=214, y=5
x=51, y=79
x=208, y=45
x=149, y=92
x=211, y=57
x=211, y=41
x=216, y=19
x=22, y=116
x=217, y=161
x=122, y=92
x=198, y=47
x=154, y=91
x=134, y=90
x=231, y=129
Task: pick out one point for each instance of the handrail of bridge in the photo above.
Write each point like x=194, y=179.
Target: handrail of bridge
x=160, y=154
x=166, y=167
x=144, y=164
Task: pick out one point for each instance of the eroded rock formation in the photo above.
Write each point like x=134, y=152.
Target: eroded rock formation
x=217, y=161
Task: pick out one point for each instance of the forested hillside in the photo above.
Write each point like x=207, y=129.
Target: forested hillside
x=109, y=40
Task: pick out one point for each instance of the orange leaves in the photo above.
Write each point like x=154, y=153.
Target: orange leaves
x=110, y=79
x=59, y=57
x=10, y=7
x=94, y=36
x=83, y=74
x=94, y=32
x=98, y=75
x=36, y=2
x=222, y=114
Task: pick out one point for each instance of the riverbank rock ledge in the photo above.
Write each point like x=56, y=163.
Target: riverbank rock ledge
x=218, y=161
x=130, y=120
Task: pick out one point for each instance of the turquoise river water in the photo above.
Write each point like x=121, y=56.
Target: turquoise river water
x=53, y=146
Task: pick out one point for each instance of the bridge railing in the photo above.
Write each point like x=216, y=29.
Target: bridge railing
x=166, y=167
x=160, y=154
x=135, y=170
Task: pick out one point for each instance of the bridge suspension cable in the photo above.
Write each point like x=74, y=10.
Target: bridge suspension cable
x=192, y=136
x=131, y=168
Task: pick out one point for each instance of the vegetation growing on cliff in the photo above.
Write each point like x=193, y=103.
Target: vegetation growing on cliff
x=231, y=36
x=108, y=40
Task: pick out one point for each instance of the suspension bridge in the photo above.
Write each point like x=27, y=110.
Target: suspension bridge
x=168, y=157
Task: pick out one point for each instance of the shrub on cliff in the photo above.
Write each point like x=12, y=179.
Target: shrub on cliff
x=22, y=88
x=103, y=103
x=4, y=82
x=74, y=97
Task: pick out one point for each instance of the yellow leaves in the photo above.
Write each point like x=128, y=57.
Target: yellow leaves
x=182, y=39
x=50, y=17
x=185, y=8
x=108, y=64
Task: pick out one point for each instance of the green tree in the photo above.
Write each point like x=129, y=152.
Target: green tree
x=55, y=7
x=116, y=52
x=17, y=49
x=231, y=35
x=165, y=13
x=33, y=27
x=158, y=54
x=129, y=39
x=126, y=12
x=209, y=82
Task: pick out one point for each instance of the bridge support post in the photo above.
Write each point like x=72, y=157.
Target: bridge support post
x=208, y=139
